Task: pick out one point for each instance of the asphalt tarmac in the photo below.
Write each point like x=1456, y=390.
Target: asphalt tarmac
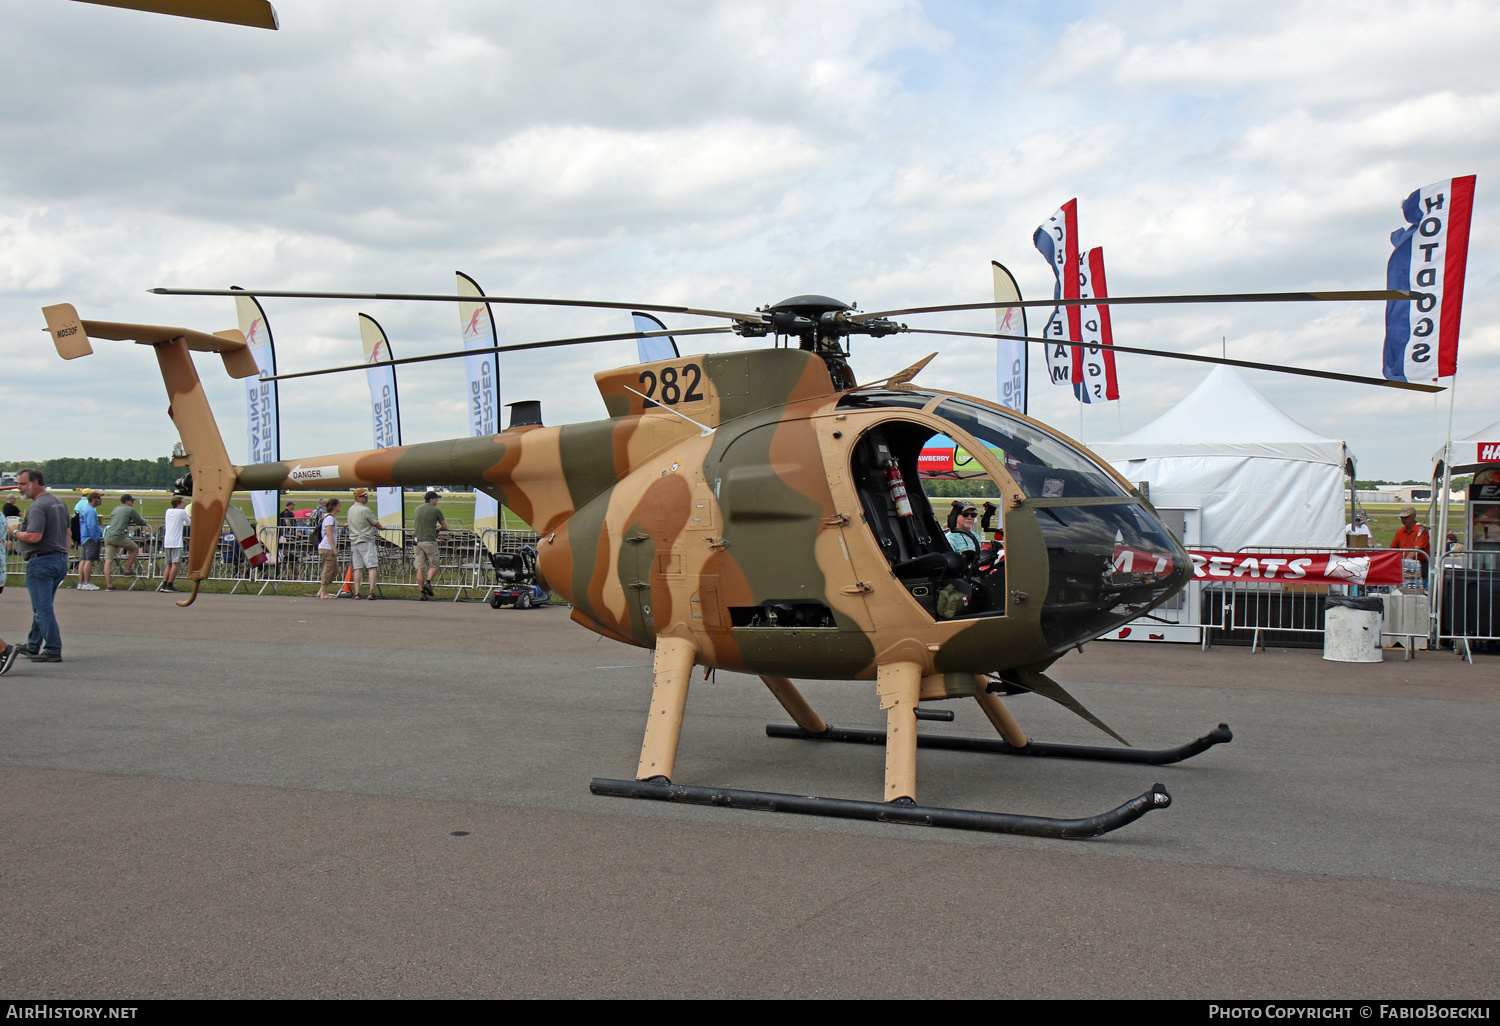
x=281, y=797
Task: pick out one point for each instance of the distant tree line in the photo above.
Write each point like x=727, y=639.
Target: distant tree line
x=1459, y=484
x=77, y=472
x=975, y=488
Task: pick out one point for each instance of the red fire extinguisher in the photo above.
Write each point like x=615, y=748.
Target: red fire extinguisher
x=897, y=486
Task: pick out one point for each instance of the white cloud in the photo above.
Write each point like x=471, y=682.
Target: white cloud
x=721, y=154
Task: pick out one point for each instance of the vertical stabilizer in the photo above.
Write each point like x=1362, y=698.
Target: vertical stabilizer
x=208, y=460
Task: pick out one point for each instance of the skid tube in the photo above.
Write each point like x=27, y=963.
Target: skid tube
x=892, y=812
x=1220, y=735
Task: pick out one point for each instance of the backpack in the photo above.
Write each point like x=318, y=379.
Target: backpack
x=77, y=529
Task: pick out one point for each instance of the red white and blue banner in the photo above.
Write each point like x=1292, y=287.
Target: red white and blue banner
x=1431, y=252
x=662, y=347
x=1057, y=241
x=263, y=414
x=1094, y=368
x=1013, y=358
x=385, y=412
x=482, y=384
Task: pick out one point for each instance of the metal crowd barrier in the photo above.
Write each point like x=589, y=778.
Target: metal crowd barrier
x=463, y=558
x=1470, y=588
x=1239, y=604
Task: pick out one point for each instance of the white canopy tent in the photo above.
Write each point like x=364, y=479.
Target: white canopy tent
x=1466, y=455
x=1256, y=475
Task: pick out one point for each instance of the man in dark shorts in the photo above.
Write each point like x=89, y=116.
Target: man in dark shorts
x=44, y=544
x=90, y=538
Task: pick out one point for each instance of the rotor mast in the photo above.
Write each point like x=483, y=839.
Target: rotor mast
x=820, y=323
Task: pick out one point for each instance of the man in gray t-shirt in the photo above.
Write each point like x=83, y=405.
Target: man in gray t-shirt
x=364, y=539
x=43, y=538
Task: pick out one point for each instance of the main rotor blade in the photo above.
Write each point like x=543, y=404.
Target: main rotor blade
x=1244, y=297
x=1278, y=368
x=496, y=349
x=425, y=297
x=251, y=13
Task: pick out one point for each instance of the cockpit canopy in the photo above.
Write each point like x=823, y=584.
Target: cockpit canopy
x=1109, y=559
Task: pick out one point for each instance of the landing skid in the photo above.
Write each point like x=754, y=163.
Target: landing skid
x=1152, y=757
x=887, y=812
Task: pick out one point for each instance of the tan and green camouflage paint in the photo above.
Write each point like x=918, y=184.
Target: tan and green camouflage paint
x=651, y=528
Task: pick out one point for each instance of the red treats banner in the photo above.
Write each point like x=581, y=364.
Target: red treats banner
x=1379, y=567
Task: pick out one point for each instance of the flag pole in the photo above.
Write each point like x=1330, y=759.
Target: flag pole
x=1439, y=572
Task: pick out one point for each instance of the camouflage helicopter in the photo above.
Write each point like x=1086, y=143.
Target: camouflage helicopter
x=760, y=511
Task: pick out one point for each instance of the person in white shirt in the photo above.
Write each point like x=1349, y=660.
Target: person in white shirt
x=1360, y=528
x=171, y=541
x=328, y=545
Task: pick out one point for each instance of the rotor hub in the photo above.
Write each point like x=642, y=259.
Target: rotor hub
x=819, y=322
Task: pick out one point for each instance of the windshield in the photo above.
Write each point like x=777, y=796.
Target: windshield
x=1108, y=565
x=1043, y=465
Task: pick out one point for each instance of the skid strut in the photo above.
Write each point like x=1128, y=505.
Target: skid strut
x=1038, y=749
x=888, y=812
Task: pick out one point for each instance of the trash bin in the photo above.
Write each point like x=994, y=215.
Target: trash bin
x=1351, y=628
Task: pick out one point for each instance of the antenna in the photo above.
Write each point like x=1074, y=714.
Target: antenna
x=706, y=430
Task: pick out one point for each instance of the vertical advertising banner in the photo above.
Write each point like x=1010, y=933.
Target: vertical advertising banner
x=1013, y=360
x=1057, y=241
x=385, y=413
x=1097, y=366
x=263, y=413
x=662, y=347
x=1431, y=254
x=481, y=385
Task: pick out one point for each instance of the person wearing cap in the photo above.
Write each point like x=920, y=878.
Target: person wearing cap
x=90, y=537
x=117, y=538
x=960, y=533
x=1413, y=535
x=328, y=545
x=1359, y=529
x=171, y=541
x=364, y=539
x=286, y=532
x=429, y=521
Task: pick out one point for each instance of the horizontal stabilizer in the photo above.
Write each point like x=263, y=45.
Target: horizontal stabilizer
x=71, y=336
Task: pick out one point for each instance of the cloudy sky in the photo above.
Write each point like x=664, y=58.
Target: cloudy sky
x=728, y=155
